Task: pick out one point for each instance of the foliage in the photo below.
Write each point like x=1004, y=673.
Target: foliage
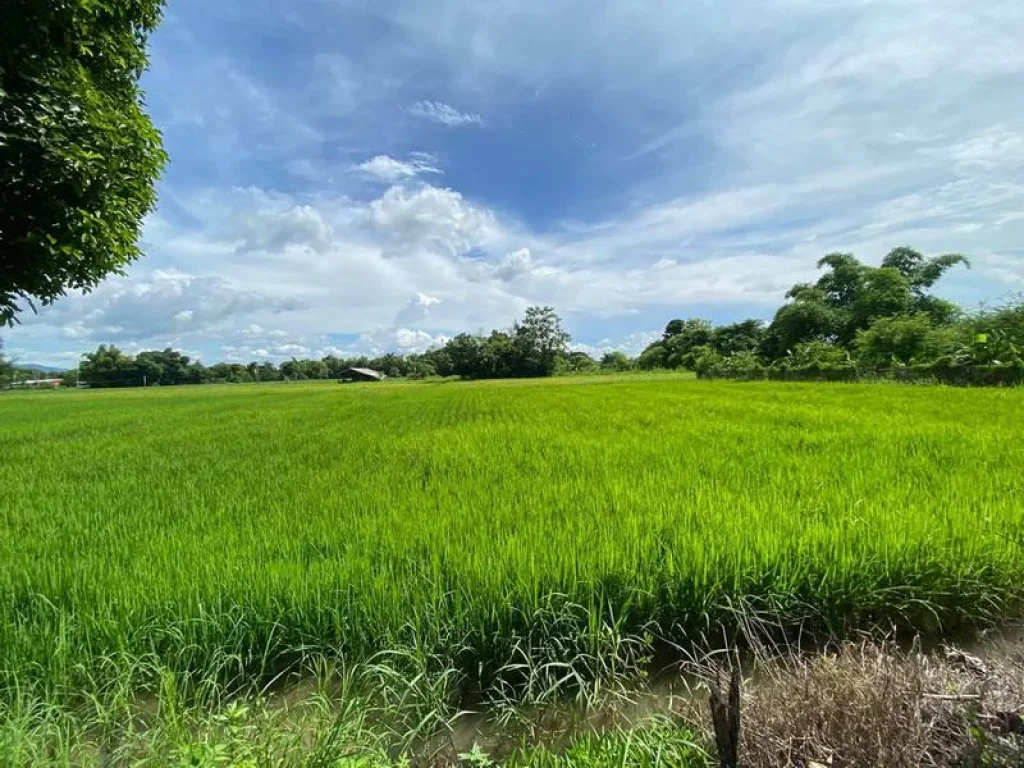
x=654, y=357
x=676, y=348
x=745, y=336
x=108, y=366
x=616, y=361
x=538, y=341
x=816, y=354
x=805, y=319
x=78, y=155
x=858, y=321
x=6, y=367
x=580, y=362
x=660, y=743
x=850, y=296
x=899, y=340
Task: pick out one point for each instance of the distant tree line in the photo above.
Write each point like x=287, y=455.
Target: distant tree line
x=537, y=345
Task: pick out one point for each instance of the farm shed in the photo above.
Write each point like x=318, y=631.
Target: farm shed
x=36, y=384
x=362, y=374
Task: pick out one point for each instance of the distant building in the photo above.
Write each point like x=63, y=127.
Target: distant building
x=37, y=384
x=362, y=374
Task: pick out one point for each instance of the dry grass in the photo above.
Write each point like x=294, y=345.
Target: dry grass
x=871, y=704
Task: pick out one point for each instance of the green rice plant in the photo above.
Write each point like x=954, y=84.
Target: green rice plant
x=523, y=540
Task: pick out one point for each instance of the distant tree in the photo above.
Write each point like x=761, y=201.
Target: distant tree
x=441, y=361
x=817, y=353
x=705, y=357
x=1006, y=323
x=266, y=372
x=690, y=334
x=745, y=336
x=850, y=296
x=803, y=320
x=677, y=345
x=294, y=370
x=149, y=367
x=653, y=357
x=197, y=373
x=673, y=328
x=884, y=293
x=465, y=355
x=6, y=368
x=108, y=366
x=317, y=369
x=616, y=360
x=420, y=368
x=580, y=362
x=389, y=364
x=335, y=366
x=497, y=356
x=539, y=341
x=900, y=339
x=78, y=155
x=921, y=273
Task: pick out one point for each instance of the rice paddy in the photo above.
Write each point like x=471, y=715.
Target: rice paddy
x=235, y=531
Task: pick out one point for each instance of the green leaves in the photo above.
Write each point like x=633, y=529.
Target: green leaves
x=850, y=296
x=78, y=156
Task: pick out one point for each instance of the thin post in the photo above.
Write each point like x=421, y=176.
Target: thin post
x=725, y=716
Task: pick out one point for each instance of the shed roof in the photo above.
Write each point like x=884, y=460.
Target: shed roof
x=364, y=372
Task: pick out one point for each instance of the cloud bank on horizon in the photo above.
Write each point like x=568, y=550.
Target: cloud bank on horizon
x=349, y=177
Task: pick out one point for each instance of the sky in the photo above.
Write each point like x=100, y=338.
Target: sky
x=360, y=176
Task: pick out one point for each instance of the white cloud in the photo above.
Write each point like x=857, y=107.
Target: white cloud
x=417, y=311
x=154, y=305
x=632, y=345
x=432, y=218
x=404, y=340
x=515, y=265
x=389, y=170
x=290, y=350
x=439, y=112
x=299, y=225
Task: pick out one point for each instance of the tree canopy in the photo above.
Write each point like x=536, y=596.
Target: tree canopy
x=78, y=155
x=881, y=313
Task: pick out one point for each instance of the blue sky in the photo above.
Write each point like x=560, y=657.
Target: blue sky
x=354, y=176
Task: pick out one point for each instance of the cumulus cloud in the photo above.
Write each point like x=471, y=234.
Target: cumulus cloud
x=417, y=311
x=389, y=170
x=154, y=305
x=290, y=350
x=632, y=344
x=404, y=340
x=432, y=218
x=300, y=225
x=439, y=112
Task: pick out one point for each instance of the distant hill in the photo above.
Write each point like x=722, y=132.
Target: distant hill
x=39, y=368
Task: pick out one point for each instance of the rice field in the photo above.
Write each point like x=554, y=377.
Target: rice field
x=234, y=531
